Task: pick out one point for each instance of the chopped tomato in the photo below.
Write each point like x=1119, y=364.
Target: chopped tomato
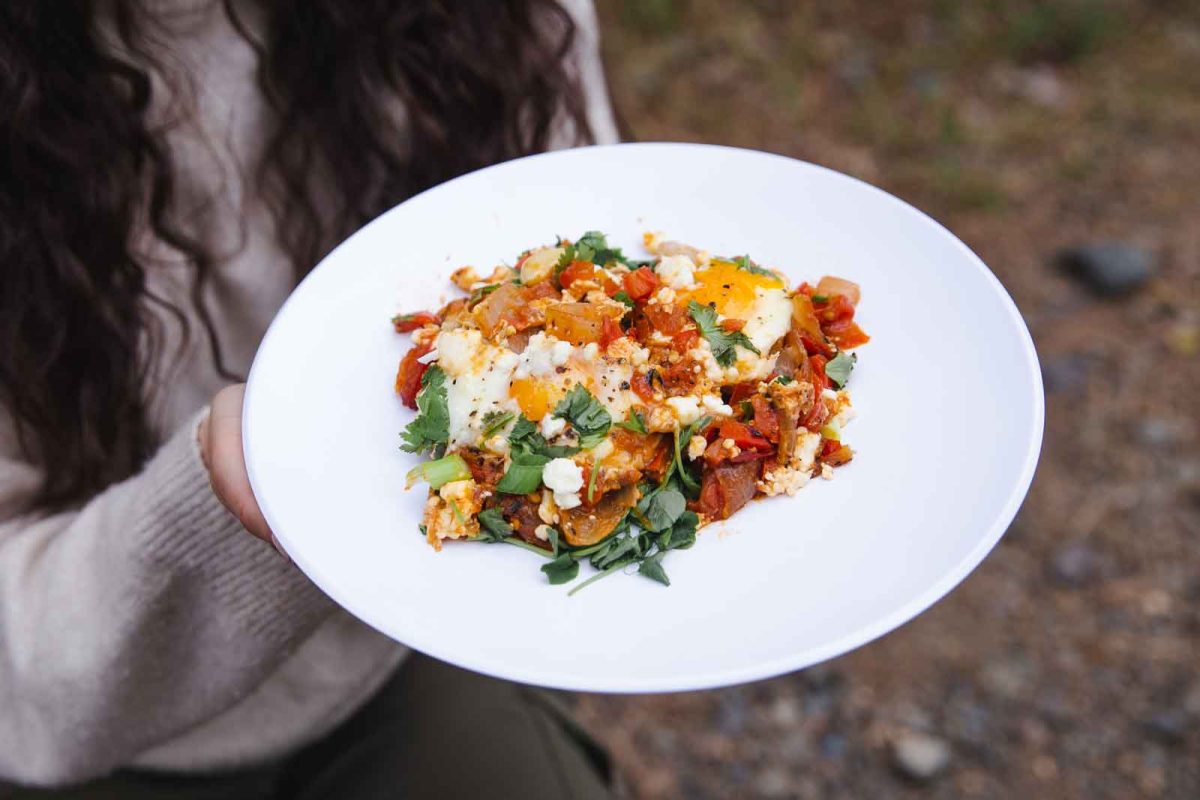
x=640, y=283
x=830, y=286
x=765, y=418
x=733, y=324
x=408, y=377
x=610, y=331
x=609, y=286
x=727, y=487
x=667, y=319
x=642, y=387
x=816, y=416
x=576, y=271
x=846, y=334
x=685, y=340
x=742, y=435
x=819, y=380
x=807, y=326
x=834, y=309
x=828, y=447
x=742, y=391
x=839, y=456
x=407, y=323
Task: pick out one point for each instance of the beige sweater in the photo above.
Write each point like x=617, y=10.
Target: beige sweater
x=147, y=628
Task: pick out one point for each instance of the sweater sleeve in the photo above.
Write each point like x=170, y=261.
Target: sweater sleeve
x=133, y=618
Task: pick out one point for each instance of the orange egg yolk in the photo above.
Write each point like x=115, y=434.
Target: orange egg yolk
x=730, y=289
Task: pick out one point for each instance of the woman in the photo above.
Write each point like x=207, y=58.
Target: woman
x=169, y=171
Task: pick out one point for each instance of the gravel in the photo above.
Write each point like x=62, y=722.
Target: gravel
x=920, y=756
x=1108, y=268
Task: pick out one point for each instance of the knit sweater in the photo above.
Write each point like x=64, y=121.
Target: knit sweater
x=145, y=627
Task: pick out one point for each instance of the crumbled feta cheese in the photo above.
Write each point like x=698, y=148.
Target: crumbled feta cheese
x=696, y=447
x=541, y=355
x=563, y=477
x=663, y=297
x=712, y=405
x=560, y=353
x=782, y=480
x=686, y=409
x=591, y=350
x=552, y=426
x=677, y=272
x=806, y=450
x=547, y=510
x=827, y=472
x=542, y=532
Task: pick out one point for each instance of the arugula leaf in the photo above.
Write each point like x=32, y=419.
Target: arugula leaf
x=722, y=341
x=494, y=422
x=682, y=534
x=620, y=551
x=492, y=525
x=745, y=263
x=562, y=569
x=635, y=422
x=524, y=474
x=652, y=568
x=432, y=424
x=659, y=510
x=839, y=368
x=590, y=419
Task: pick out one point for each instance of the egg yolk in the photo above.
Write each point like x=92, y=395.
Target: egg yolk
x=730, y=289
x=536, y=398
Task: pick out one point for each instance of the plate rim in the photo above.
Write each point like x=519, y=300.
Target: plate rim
x=700, y=680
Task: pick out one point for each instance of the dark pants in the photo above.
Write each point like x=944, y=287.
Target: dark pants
x=434, y=731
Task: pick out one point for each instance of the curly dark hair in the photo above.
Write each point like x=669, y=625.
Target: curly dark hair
x=479, y=81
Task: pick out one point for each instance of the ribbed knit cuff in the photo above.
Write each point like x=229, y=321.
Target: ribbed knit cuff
x=184, y=529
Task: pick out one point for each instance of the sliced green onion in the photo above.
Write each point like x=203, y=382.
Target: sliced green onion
x=440, y=472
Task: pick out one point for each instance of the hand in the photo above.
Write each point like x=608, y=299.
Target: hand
x=220, y=438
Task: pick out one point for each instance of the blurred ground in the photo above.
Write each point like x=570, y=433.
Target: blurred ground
x=1066, y=665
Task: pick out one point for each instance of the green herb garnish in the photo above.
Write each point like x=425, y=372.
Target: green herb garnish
x=651, y=567
x=587, y=416
x=722, y=341
x=431, y=427
x=492, y=525
x=624, y=297
x=494, y=422
x=524, y=474
x=839, y=368
x=745, y=263
x=562, y=569
x=634, y=422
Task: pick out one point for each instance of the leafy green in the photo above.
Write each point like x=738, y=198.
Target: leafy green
x=745, y=263
x=525, y=436
x=682, y=533
x=492, y=525
x=784, y=380
x=592, y=246
x=590, y=419
x=562, y=569
x=524, y=474
x=480, y=293
x=839, y=368
x=624, y=297
x=682, y=437
x=722, y=341
x=432, y=424
x=820, y=298
x=658, y=510
x=634, y=422
x=439, y=472
x=652, y=568
x=553, y=535
x=591, y=488
x=494, y=422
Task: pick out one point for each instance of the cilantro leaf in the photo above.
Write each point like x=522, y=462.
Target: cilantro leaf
x=652, y=568
x=745, y=263
x=431, y=427
x=562, y=569
x=524, y=474
x=635, y=422
x=494, y=422
x=784, y=380
x=492, y=525
x=683, y=437
x=839, y=368
x=525, y=437
x=624, y=297
x=590, y=419
x=722, y=341
x=596, y=245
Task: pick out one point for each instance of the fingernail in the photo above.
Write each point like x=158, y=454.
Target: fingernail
x=279, y=549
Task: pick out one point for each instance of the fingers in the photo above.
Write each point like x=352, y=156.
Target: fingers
x=222, y=448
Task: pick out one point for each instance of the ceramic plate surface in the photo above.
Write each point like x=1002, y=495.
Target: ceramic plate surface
x=948, y=397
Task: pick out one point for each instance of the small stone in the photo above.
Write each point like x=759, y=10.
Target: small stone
x=1065, y=373
x=833, y=746
x=1159, y=432
x=1108, y=268
x=773, y=782
x=919, y=756
x=1074, y=564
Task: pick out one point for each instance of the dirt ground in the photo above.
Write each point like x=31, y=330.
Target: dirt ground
x=1066, y=665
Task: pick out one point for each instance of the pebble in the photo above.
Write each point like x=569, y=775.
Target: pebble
x=1108, y=268
x=1066, y=373
x=919, y=756
x=1074, y=564
x=1168, y=726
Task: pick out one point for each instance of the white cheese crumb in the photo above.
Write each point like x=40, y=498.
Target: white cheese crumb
x=429, y=357
x=713, y=405
x=547, y=510
x=542, y=532
x=696, y=447
x=563, y=477
x=827, y=472
x=686, y=409
x=560, y=353
x=552, y=426
x=677, y=272
x=591, y=350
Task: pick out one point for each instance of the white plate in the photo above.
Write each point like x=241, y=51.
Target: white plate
x=949, y=426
